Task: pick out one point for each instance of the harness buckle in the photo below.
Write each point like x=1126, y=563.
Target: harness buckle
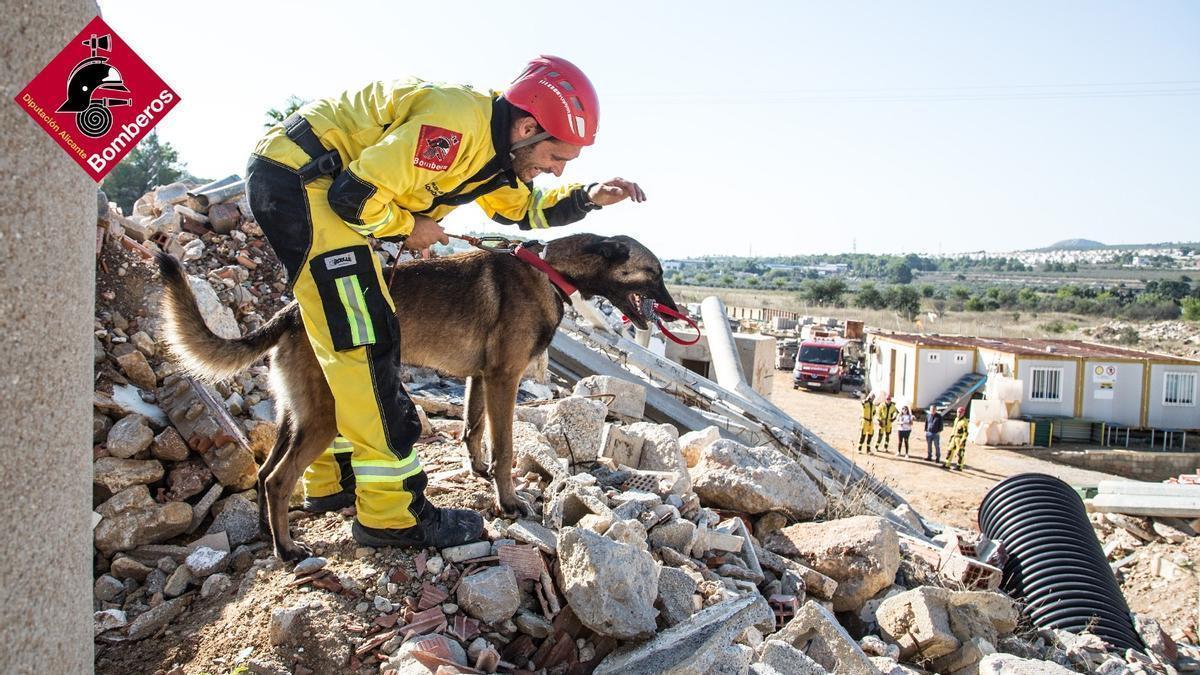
x=326, y=164
x=329, y=163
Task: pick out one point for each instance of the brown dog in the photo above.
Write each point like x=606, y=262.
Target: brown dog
x=483, y=316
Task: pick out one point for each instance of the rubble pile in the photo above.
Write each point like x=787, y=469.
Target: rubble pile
x=175, y=460
x=1173, y=337
x=1152, y=554
x=650, y=551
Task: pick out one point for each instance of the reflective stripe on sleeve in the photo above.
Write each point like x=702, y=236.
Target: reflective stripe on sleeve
x=537, y=219
x=369, y=228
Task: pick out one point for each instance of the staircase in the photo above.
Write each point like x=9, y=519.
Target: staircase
x=960, y=392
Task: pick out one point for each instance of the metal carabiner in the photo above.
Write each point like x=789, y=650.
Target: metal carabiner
x=495, y=244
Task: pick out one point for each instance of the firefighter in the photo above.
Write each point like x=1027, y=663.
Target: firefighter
x=958, y=440
x=386, y=161
x=885, y=414
x=868, y=417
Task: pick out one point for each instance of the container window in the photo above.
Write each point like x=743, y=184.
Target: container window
x=1179, y=389
x=1045, y=384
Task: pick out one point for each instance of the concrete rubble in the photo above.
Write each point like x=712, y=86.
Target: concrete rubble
x=730, y=475
x=681, y=527
x=861, y=553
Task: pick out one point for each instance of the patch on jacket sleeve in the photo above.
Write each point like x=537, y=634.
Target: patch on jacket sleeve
x=436, y=148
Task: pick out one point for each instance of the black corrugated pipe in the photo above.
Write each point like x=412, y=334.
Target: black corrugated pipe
x=1055, y=563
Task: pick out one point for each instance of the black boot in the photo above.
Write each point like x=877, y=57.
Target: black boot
x=334, y=502
x=437, y=527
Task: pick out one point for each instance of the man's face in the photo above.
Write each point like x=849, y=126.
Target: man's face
x=548, y=156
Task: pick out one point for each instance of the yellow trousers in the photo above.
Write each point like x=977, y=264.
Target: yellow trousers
x=350, y=321
x=332, y=472
x=957, y=453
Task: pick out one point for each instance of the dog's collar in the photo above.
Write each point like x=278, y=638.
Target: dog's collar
x=567, y=291
x=527, y=256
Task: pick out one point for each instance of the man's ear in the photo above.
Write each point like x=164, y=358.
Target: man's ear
x=524, y=128
x=611, y=250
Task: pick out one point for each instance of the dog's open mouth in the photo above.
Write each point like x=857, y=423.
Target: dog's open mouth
x=641, y=310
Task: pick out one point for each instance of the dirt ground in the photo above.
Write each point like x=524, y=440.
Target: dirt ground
x=952, y=498
x=229, y=632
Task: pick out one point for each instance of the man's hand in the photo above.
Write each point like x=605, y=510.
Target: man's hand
x=425, y=233
x=614, y=190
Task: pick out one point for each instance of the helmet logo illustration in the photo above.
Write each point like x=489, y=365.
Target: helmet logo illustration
x=438, y=149
x=90, y=75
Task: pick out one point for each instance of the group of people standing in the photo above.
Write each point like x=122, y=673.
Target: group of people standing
x=880, y=414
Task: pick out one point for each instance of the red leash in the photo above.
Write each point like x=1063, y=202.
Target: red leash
x=663, y=309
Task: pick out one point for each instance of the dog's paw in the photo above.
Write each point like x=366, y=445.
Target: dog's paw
x=294, y=553
x=481, y=469
x=520, y=505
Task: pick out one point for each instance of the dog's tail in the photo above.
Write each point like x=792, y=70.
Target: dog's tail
x=200, y=352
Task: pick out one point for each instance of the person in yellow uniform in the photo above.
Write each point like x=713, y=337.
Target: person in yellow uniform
x=885, y=414
x=868, y=417
x=391, y=160
x=958, y=440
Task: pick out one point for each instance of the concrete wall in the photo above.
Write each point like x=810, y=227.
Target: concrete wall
x=757, y=354
x=938, y=369
x=1065, y=407
x=1147, y=466
x=1171, y=416
x=1122, y=402
x=47, y=242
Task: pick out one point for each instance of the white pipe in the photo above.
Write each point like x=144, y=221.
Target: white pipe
x=726, y=364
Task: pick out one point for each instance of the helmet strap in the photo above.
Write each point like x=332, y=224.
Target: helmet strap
x=536, y=138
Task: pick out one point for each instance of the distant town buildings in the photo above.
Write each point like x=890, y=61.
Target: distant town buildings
x=1183, y=257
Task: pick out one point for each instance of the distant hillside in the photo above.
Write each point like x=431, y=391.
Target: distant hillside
x=1073, y=245
x=1090, y=245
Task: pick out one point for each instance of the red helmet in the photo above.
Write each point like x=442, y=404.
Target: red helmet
x=560, y=98
x=961, y=410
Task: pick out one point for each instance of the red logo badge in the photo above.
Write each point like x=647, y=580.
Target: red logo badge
x=436, y=148
x=97, y=99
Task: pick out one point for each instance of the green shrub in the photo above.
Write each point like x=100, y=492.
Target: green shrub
x=1128, y=336
x=1191, y=309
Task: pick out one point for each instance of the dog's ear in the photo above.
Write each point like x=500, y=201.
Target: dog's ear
x=611, y=250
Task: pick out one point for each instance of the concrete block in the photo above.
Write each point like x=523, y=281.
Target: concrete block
x=692, y=646
x=861, y=553
x=817, y=631
x=628, y=399
x=918, y=622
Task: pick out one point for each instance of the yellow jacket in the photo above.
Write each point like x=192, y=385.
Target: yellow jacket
x=413, y=147
x=961, y=427
x=868, y=410
x=886, y=412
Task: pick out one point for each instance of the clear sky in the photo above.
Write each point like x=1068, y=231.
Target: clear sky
x=764, y=127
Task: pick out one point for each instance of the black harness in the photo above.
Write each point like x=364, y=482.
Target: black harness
x=325, y=162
